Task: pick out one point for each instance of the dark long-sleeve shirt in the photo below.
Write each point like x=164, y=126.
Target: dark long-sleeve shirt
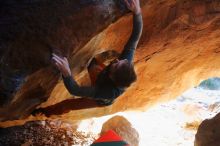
x=105, y=91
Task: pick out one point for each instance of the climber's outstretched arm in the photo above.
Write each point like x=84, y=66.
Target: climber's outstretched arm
x=129, y=49
x=62, y=65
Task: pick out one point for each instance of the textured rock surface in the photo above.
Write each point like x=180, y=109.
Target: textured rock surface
x=208, y=133
x=181, y=52
x=123, y=128
x=179, y=48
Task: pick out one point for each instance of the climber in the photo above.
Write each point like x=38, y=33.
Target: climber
x=108, y=82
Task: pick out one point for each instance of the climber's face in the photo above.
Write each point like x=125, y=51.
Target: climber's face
x=117, y=65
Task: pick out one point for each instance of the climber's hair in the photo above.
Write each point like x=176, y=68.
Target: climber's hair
x=125, y=75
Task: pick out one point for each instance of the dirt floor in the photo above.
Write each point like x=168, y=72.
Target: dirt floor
x=44, y=133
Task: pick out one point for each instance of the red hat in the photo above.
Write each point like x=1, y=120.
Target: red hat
x=110, y=138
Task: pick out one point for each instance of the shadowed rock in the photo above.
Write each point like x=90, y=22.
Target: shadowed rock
x=208, y=133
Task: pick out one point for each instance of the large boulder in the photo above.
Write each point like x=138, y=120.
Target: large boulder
x=123, y=128
x=208, y=133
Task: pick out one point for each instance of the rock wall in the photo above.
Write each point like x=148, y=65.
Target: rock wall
x=179, y=48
